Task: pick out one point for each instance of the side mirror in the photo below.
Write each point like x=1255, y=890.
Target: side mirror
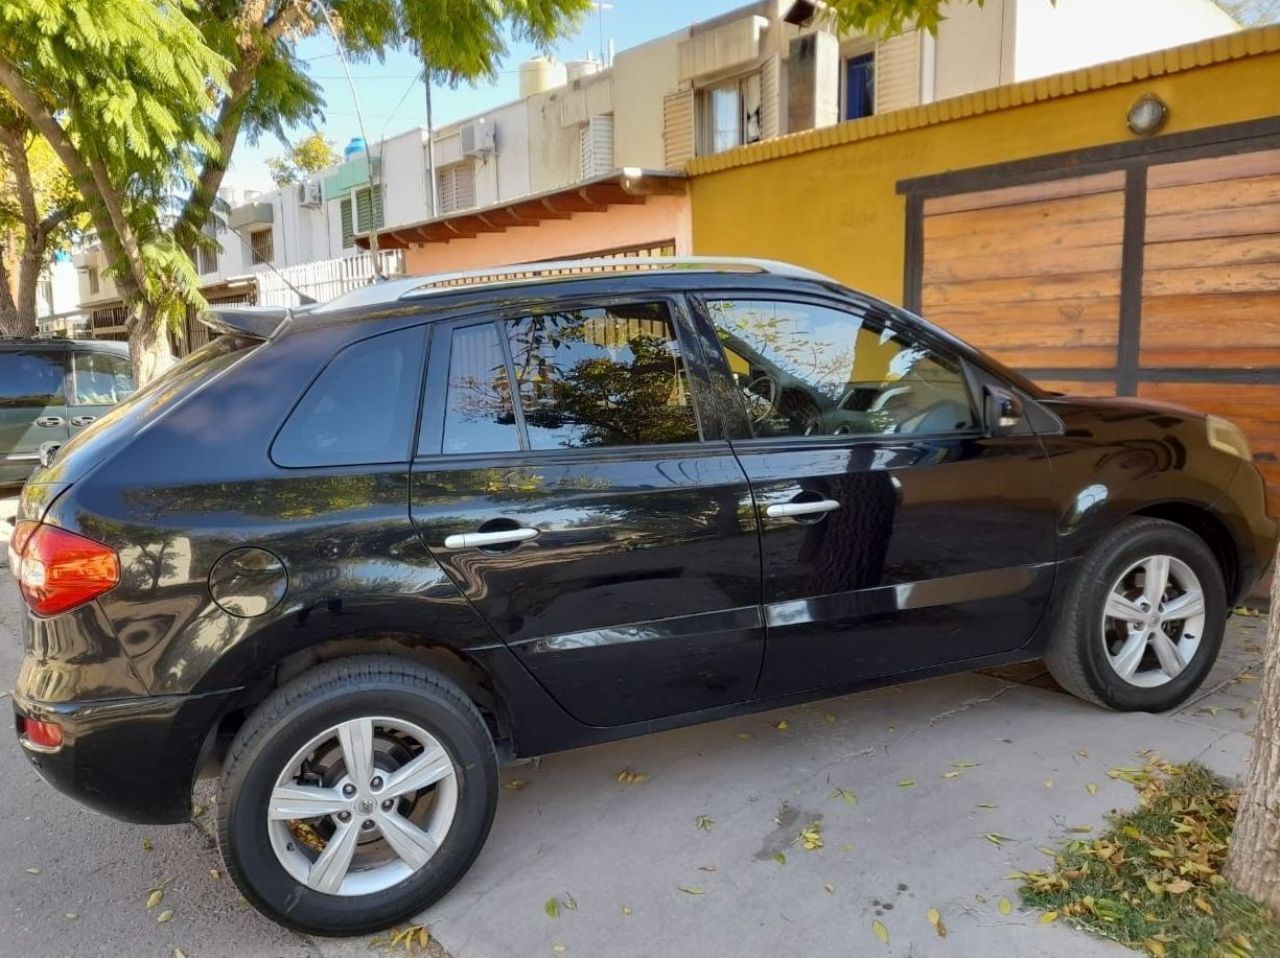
x=1002, y=411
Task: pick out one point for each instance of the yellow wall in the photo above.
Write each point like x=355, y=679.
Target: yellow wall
x=827, y=198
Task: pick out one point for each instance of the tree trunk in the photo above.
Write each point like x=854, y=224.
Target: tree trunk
x=1253, y=865
x=149, y=348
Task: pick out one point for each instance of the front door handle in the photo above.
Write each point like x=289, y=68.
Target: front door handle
x=485, y=540
x=789, y=510
x=83, y=420
x=49, y=421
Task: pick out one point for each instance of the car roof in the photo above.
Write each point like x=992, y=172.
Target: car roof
x=416, y=288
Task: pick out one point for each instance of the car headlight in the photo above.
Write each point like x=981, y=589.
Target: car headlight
x=1228, y=437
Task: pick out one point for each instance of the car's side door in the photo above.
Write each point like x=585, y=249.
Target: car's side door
x=590, y=509
x=33, y=407
x=99, y=380
x=896, y=534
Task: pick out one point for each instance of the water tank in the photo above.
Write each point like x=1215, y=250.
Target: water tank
x=355, y=147
x=577, y=69
x=540, y=73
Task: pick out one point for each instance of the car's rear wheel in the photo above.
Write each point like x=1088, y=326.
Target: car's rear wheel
x=356, y=795
x=1141, y=623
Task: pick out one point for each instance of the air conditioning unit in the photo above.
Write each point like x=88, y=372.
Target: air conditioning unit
x=478, y=138
x=311, y=193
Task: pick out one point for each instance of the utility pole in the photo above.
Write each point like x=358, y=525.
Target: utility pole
x=432, y=199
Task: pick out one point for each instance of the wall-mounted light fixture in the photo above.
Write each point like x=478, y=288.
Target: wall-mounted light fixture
x=1148, y=115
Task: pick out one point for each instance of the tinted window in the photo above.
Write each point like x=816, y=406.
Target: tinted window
x=361, y=408
x=30, y=377
x=808, y=370
x=480, y=416
x=598, y=377
x=100, y=378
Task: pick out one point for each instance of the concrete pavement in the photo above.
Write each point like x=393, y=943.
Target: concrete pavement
x=644, y=878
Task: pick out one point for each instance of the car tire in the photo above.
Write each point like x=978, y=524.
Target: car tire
x=419, y=725
x=1091, y=649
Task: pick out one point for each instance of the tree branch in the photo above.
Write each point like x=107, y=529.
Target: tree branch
x=116, y=230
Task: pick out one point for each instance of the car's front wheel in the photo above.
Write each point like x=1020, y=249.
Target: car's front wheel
x=356, y=795
x=1142, y=621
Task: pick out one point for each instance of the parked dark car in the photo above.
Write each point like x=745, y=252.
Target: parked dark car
x=356, y=556
x=50, y=389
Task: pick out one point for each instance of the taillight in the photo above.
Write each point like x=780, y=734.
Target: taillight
x=43, y=735
x=58, y=570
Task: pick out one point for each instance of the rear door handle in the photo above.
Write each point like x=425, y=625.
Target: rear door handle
x=789, y=510
x=83, y=420
x=49, y=421
x=483, y=540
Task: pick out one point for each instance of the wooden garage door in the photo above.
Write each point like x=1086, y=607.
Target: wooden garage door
x=1211, y=291
x=1031, y=273
x=1159, y=277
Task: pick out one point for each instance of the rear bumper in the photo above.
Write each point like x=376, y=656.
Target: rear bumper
x=133, y=759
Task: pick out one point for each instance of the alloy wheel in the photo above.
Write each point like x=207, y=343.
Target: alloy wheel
x=1153, y=621
x=362, y=806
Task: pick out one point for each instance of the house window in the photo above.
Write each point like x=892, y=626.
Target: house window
x=859, y=86
x=44, y=293
x=348, y=225
x=260, y=242
x=368, y=209
x=729, y=114
x=95, y=284
x=456, y=187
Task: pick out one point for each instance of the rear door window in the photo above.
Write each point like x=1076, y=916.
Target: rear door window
x=31, y=378
x=100, y=379
x=361, y=408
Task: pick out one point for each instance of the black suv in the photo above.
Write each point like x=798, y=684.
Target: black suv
x=357, y=555
x=50, y=389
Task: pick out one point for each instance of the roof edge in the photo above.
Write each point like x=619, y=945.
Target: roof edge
x=1203, y=53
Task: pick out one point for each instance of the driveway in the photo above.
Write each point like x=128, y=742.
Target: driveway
x=642, y=878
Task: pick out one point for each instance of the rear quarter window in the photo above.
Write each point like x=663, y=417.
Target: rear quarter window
x=360, y=410
x=31, y=377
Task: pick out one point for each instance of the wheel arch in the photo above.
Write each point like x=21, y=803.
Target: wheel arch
x=1211, y=529
x=469, y=672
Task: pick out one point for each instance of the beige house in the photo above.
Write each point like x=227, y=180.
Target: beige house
x=758, y=72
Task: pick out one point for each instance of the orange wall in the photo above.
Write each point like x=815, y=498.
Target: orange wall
x=660, y=219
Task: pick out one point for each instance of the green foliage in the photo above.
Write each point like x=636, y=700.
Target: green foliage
x=888, y=17
x=1154, y=879
x=309, y=155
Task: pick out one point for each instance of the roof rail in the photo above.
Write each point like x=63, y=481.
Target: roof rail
x=522, y=272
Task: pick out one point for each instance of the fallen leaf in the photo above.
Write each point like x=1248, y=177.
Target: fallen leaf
x=628, y=777
x=708, y=868
x=1210, y=709
x=71, y=916
x=552, y=907
x=215, y=874
x=1048, y=783
x=33, y=871
x=569, y=903
x=558, y=949
x=1179, y=886
x=156, y=896
x=830, y=889
x=745, y=735
x=146, y=845
x=691, y=889
x=811, y=837
x=781, y=726
x=1204, y=906
x=1048, y=917
x=880, y=930
x=997, y=839
x=1006, y=906
x=906, y=783
x=626, y=910
x=1092, y=788
x=986, y=805
x=516, y=785
x=704, y=822
x=197, y=811
x=780, y=858
x=1080, y=829
x=1155, y=948
x=829, y=717
x=845, y=795
x=952, y=774
x=179, y=953
x=166, y=915
x=935, y=919
x=965, y=764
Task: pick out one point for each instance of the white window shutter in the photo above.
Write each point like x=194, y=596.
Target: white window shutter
x=770, y=92
x=897, y=76
x=596, y=146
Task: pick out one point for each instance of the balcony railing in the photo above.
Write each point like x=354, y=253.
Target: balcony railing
x=325, y=279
